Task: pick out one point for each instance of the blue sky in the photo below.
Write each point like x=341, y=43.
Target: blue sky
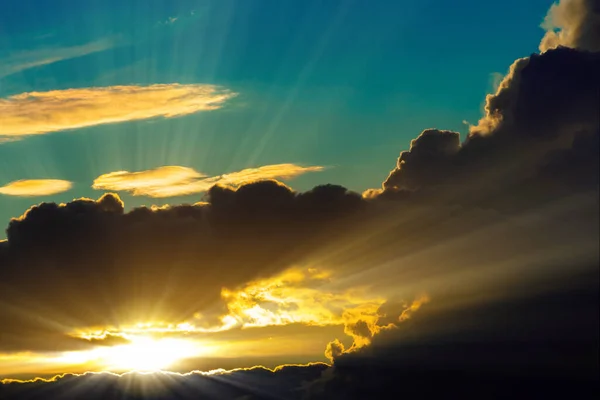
x=341, y=84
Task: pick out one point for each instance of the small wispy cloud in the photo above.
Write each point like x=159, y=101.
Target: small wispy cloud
x=35, y=187
x=57, y=110
x=158, y=182
x=168, y=21
x=170, y=181
x=21, y=61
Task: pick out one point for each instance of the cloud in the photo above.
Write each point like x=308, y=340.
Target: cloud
x=241, y=234
x=35, y=187
x=413, y=307
x=34, y=113
x=572, y=23
x=334, y=349
x=541, y=342
x=24, y=60
x=283, y=382
x=500, y=229
x=297, y=296
x=542, y=105
x=159, y=182
x=426, y=162
x=171, y=181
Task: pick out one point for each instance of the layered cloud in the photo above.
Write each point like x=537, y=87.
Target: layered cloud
x=35, y=187
x=171, y=181
x=57, y=110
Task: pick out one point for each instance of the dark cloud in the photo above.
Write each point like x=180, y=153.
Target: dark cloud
x=542, y=345
x=154, y=264
x=541, y=106
x=285, y=382
x=428, y=161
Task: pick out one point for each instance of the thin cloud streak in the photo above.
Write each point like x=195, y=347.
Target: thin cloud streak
x=171, y=181
x=35, y=187
x=24, y=60
x=35, y=113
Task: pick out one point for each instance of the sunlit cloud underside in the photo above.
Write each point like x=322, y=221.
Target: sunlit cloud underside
x=295, y=296
x=35, y=113
x=35, y=187
x=170, y=181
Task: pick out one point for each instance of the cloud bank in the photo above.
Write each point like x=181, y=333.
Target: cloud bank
x=171, y=181
x=283, y=382
x=414, y=235
x=35, y=187
x=500, y=230
x=35, y=113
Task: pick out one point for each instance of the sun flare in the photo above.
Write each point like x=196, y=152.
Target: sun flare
x=142, y=353
x=147, y=354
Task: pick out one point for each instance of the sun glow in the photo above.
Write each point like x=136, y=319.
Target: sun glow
x=149, y=354
x=141, y=354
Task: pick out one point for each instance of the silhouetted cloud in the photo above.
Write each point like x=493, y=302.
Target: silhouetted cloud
x=542, y=344
x=284, y=382
x=35, y=187
x=266, y=223
x=57, y=110
x=546, y=103
x=170, y=181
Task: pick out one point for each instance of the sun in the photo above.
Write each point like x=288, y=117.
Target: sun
x=148, y=354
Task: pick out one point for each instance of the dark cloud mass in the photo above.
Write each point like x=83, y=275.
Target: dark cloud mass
x=501, y=229
x=248, y=384
x=543, y=104
x=117, y=263
x=542, y=346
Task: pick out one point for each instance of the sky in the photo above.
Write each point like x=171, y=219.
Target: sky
x=298, y=199
x=340, y=84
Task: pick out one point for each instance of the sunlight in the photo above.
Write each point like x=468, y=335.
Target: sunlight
x=145, y=354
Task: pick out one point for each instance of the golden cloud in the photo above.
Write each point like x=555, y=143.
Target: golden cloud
x=57, y=110
x=295, y=296
x=413, y=307
x=170, y=181
x=156, y=182
x=35, y=187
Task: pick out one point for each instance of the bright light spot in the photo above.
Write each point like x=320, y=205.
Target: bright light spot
x=146, y=354
x=143, y=353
